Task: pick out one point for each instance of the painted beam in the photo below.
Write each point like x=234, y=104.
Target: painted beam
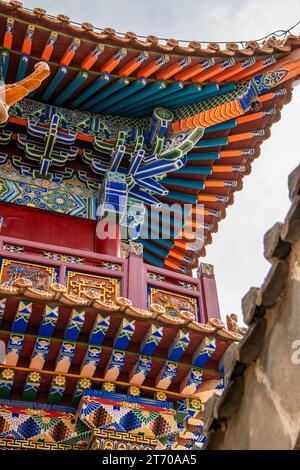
x=191, y=91
x=114, y=365
x=32, y=385
x=190, y=94
x=204, y=143
x=40, y=353
x=65, y=357
x=7, y=376
x=90, y=361
x=191, y=382
x=90, y=90
x=150, y=90
x=183, y=197
x=195, y=170
x=52, y=86
x=49, y=46
x=75, y=324
x=81, y=386
x=133, y=64
x=210, y=91
x=92, y=57
x=239, y=67
x=114, y=61
x=57, y=389
x=92, y=103
x=204, y=351
x=9, y=32
x=157, y=250
x=25, y=53
x=259, y=65
x=99, y=329
x=4, y=57
x=124, y=334
x=70, y=52
x=214, y=70
x=140, y=370
x=71, y=88
x=22, y=316
x=150, y=258
x=152, y=101
x=22, y=67
x=179, y=345
x=183, y=183
x=220, y=184
x=168, y=72
x=151, y=340
x=194, y=70
x=155, y=65
x=166, y=375
x=121, y=96
x=13, y=349
x=48, y=321
x=222, y=126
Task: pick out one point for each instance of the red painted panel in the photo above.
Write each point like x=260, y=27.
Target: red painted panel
x=46, y=227
x=211, y=297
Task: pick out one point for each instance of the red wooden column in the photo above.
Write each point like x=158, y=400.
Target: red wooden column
x=137, y=282
x=209, y=294
x=111, y=244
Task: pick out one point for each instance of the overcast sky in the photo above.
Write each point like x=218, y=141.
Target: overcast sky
x=237, y=248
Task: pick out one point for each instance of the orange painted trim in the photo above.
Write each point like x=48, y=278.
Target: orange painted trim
x=175, y=254
x=85, y=137
x=198, y=211
x=133, y=65
x=267, y=97
x=92, y=58
x=206, y=75
x=240, y=137
x=171, y=264
x=231, y=153
x=70, y=52
x=129, y=68
x=207, y=198
x=250, y=117
x=23, y=122
x=8, y=36
x=114, y=61
x=192, y=225
x=89, y=61
x=49, y=47
x=228, y=73
x=215, y=184
x=250, y=71
x=181, y=244
x=225, y=168
x=27, y=43
x=156, y=64
x=210, y=117
x=16, y=120
x=192, y=71
x=174, y=68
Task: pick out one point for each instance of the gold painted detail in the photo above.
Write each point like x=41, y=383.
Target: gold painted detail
x=106, y=287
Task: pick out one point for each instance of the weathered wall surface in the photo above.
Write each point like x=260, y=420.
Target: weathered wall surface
x=260, y=407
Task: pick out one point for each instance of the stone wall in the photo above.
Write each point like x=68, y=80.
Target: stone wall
x=260, y=406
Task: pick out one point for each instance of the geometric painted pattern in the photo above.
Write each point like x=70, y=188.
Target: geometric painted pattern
x=36, y=425
x=22, y=316
x=104, y=410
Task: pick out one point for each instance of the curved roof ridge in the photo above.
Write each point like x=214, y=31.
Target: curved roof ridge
x=267, y=45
